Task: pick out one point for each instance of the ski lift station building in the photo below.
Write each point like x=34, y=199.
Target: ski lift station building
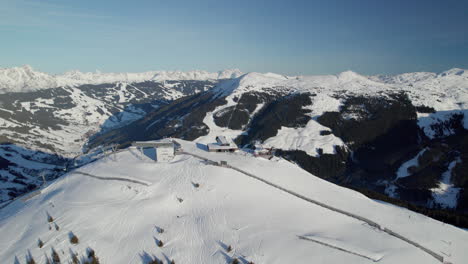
x=222, y=145
x=164, y=149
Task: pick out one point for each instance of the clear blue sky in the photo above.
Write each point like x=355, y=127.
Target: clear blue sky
x=290, y=37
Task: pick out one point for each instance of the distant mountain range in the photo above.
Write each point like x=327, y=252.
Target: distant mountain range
x=403, y=136
x=25, y=78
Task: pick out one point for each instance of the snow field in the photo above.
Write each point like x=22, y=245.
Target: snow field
x=262, y=224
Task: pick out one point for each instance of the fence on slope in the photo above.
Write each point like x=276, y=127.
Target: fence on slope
x=112, y=178
x=34, y=192
x=300, y=196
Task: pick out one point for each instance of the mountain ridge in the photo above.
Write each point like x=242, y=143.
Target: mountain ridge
x=25, y=78
x=318, y=122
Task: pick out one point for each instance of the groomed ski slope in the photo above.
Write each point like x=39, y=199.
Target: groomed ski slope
x=120, y=220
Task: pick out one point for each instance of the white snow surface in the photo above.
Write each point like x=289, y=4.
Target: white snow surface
x=425, y=121
x=446, y=195
x=307, y=139
x=25, y=78
x=447, y=93
x=403, y=172
x=119, y=220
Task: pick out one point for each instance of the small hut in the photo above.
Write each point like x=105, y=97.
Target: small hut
x=164, y=148
x=222, y=145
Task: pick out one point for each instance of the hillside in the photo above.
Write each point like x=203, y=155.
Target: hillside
x=199, y=210
x=26, y=79
x=401, y=138
x=46, y=123
x=353, y=130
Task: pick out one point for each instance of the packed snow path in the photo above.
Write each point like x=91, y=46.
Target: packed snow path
x=112, y=178
x=367, y=221
x=373, y=258
x=204, y=209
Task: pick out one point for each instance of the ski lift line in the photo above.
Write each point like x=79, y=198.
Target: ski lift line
x=340, y=211
x=339, y=248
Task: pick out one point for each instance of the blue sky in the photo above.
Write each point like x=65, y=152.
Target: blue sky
x=290, y=37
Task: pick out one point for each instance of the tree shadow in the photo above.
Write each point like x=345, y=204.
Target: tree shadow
x=223, y=245
x=29, y=257
x=244, y=260
x=159, y=229
x=47, y=259
x=147, y=258
x=168, y=260
x=227, y=258
x=73, y=255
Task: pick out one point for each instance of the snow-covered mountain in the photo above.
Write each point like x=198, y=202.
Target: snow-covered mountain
x=25, y=78
x=359, y=131
x=348, y=128
x=128, y=209
x=43, y=130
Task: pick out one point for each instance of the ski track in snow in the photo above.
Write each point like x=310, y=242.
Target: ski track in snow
x=226, y=209
x=343, y=212
x=446, y=195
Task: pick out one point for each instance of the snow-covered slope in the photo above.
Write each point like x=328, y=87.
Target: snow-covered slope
x=444, y=91
x=60, y=120
x=25, y=78
x=209, y=214
x=445, y=96
x=447, y=91
x=288, y=113
x=332, y=124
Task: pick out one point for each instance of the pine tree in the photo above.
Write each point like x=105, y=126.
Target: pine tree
x=75, y=259
x=55, y=257
x=74, y=239
x=40, y=244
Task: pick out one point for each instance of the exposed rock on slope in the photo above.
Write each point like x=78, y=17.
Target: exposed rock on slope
x=359, y=130
x=228, y=216
x=354, y=130
x=59, y=120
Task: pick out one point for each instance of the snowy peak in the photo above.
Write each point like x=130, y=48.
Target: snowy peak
x=455, y=72
x=260, y=79
x=350, y=76
x=252, y=81
x=25, y=78
x=404, y=78
x=196, y=75
x=413, y=77
x=19, y=79
x=255, y=81
x=229, y=74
